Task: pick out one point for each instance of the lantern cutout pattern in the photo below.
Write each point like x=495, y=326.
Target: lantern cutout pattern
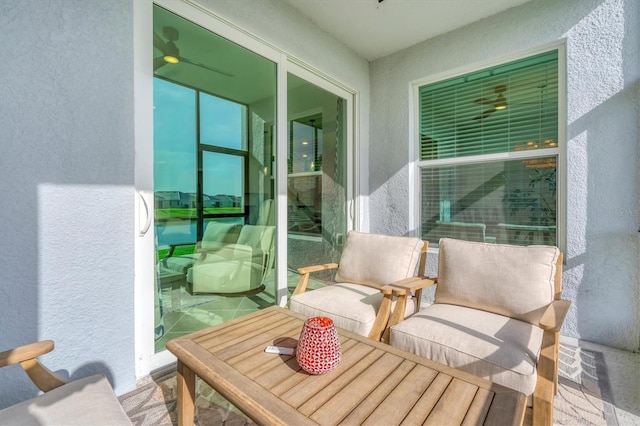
x=318, y=350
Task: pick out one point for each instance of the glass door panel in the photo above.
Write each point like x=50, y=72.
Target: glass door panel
x=212, y=178
x=316, y=176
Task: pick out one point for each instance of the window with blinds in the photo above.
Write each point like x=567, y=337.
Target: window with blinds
x=488, y=153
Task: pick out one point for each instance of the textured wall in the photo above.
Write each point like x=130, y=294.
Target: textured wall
x=67, y=172
x=66, y=184
x=603, y=68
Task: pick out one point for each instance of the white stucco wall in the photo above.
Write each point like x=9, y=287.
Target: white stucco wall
x=601, y=275
x=66, y=184
x=67, y=173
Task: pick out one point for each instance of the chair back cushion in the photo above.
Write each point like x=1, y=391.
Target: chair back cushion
x=257, y=236
x=378, y=260
x=218, y=233
x=266, y=213
x=514, y=281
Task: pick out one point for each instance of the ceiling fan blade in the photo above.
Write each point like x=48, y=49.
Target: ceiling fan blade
x=485, y=114
x=484, y=101
x=207, y=67
x=158, y=42
x=158, y=62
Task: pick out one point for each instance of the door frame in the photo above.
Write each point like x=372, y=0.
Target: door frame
x=146, y=360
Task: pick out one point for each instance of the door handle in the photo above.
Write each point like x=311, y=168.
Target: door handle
x=147, y=224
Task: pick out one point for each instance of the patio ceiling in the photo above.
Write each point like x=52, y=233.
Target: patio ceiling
x=374, y=28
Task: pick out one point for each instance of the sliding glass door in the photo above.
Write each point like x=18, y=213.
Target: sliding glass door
x=251, y=161
x=213, y=181
x=316, y=174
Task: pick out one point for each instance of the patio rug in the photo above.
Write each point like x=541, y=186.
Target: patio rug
x=584, y=396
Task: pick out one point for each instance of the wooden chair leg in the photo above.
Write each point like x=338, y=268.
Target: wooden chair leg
x=557, y=363
x=382, y=318
x=545, y=386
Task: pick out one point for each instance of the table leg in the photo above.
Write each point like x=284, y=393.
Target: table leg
x=186, y=383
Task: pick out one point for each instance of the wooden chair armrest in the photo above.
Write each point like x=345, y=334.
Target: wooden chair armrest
x=399, y=289
x=305, y=271
x=26, y=352
x=26, y=356
x=316, y=268
x=411, y=284
x=554, y=315
x=408, y=286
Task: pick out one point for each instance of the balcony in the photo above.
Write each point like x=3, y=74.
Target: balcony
x=77, y=173
x=598, y=386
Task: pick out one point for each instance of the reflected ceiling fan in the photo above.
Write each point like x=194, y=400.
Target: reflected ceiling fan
x=171, y=53
x=497, y=104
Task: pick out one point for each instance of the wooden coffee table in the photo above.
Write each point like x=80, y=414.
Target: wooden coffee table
x=374, y=383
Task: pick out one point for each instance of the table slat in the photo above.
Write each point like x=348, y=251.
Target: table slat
x=352, y=394
x=373, y=384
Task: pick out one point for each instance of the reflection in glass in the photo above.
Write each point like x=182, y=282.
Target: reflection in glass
x=214, y=106
x=223, y=123
x=511, y=202
x=316, y=174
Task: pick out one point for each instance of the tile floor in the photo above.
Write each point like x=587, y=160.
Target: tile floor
x=623, y=371
x=184, y=313
x=623, y=367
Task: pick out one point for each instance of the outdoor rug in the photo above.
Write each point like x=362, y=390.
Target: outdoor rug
x=584, y=396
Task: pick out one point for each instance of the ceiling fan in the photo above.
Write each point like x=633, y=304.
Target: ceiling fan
x=497, y=104
x=171, y=53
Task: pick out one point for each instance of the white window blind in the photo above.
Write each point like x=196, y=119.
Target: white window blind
x=469, y=188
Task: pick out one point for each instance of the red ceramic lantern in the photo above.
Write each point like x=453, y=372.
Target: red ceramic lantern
x=318, y=350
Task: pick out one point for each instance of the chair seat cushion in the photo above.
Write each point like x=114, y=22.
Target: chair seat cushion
x=226, y=277
x=498, y=348
x=88, y=401
x=180, y=263
x=352, y=307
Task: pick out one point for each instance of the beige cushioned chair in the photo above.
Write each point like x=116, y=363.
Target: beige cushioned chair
x=88, y=401
x=497, y=314
x=235, y=268
x=370, y=268
x=216, y=236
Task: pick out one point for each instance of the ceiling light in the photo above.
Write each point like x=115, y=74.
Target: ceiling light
x=501, y=103
x=171, y=53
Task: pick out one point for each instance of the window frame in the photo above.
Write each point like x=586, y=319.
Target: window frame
x=202, y=147
x=416, y=165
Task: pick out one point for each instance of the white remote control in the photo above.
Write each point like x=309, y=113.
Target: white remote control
x=279, y=350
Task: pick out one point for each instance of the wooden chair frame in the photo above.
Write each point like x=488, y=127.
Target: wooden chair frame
x=547, y=367
x=399, y=291
x=547, y=383
x=26, y=356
